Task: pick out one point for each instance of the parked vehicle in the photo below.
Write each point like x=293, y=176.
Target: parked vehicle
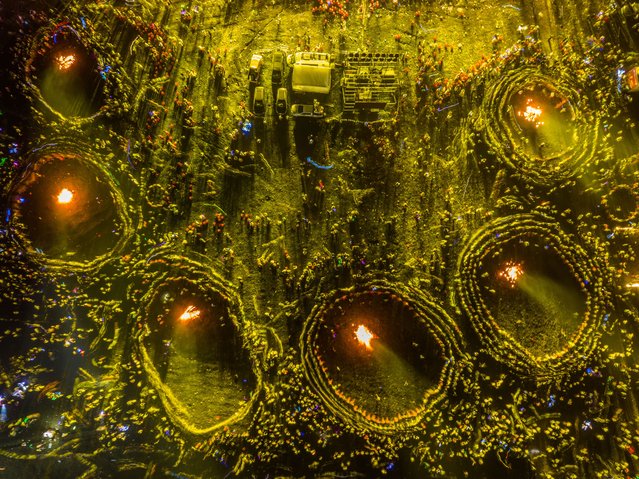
x=255, y=68
x=311, y=111
x=281, y=102
x=259, y=104
x=279, y=67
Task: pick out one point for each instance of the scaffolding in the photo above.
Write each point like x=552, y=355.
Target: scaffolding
x=370, y=81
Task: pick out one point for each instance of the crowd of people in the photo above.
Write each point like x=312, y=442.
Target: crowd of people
x=385, y=204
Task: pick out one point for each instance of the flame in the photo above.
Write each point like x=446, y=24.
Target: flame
x=65, y=61
x=364, y=336
x=65, y=196
x=511, y=273
x=531, y=114
x=190, y=313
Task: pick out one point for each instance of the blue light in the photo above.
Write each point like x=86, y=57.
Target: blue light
x=620, y=73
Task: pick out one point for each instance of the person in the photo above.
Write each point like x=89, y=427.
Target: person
x=318, y=109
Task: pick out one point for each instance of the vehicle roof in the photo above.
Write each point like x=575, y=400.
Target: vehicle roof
x=311, y=78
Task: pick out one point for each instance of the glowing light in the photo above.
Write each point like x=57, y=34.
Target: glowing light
x=632, y=285
x=628, y=229
x=65, y=196
x=364, y=336
x=531, y=113
x=511, y=273
x=190, y=313
x=65, y=62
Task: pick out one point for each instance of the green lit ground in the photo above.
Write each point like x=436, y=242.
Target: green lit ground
x=489, y=248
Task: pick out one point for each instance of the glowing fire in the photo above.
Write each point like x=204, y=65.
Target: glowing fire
x=364, y=336
x=190, y=313
x=531, y=114
x=511, y=273
x=65, y=196
x=65, y=61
